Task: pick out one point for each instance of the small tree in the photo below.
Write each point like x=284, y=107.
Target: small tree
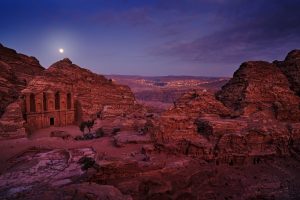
x=99, y=132
x=86, y=124
x=82, y=126
x=90, y=124
x=195, y=95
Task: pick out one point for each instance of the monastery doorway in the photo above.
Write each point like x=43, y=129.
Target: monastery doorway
x=51, y=121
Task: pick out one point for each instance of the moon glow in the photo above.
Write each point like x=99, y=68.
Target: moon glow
x=61, y=50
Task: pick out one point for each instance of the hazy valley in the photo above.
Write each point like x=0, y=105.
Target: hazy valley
x=162, y=91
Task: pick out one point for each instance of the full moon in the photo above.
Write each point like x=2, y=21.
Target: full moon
x=61, y=50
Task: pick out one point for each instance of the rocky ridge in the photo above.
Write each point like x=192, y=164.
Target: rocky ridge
x=261, y=90
x=291, y=68
x=255, y=115
x=16, y=70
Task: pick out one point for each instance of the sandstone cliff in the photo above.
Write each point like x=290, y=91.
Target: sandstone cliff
x=178, y=122
x=94, y=94
x=291, y=68
x=16, y=70
x=261, y=90
x=255, y=115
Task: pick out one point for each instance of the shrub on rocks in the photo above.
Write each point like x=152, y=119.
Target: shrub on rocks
x=88, y=162
x=99, y=133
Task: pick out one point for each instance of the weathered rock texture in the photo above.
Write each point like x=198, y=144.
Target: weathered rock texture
x=291, y=68
x=256, y=115
x=260, y=89
x=12, y=122
x=178, y=122
x=51, y=167
x=94, y=94
x=16, y=70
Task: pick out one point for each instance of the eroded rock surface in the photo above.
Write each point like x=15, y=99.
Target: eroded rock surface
x=291, y=68
x=36, y=167
x=178, y=122
x=12, y=122
x=255, y=115
x=95, y=94
x=244, y=144
x=262, y=90
x=16, y=70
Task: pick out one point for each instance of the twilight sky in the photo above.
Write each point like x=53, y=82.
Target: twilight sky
x=152, y=37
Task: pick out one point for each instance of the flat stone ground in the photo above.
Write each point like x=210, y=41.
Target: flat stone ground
x=41, y=139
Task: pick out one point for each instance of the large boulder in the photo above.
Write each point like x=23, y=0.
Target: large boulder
x=179, y=122
x=259, y=89
x=12, y=122
x=291, y=68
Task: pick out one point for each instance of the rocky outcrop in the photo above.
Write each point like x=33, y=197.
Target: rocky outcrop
x=291, y=68
x=12, y=122
x=178, y=122
x=16, y=70
x=124, y=138
x=254, y=116
x=95, y=95
x=24, y=66
x=259, y=89
x=52, y=167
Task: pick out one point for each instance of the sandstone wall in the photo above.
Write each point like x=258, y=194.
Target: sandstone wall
x=291, y=68
x=16, y=70
x=260, y=89
x=255, y=115
x=94, y=95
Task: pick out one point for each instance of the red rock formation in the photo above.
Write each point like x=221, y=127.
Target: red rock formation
x=259, y=89
x=179, y=122
x=94, y=94
x=258, y=120
x=16, y=70
x=12, y=122
x=291, y=68
x=21, y=64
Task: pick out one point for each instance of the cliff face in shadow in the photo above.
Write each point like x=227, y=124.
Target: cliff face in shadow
x=16, y=70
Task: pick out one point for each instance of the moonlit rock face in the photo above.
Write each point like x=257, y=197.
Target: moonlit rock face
x=61, y=50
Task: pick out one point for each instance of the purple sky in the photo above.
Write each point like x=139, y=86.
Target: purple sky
x=152, y=37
